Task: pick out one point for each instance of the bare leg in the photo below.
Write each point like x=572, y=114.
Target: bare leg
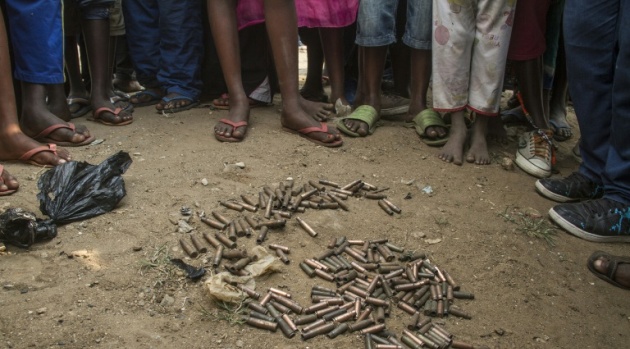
x=280, y=18
x=332, y=39
x=313, y=89
x=77, y=88
x=14, y=143
x=371, y=73
x=529, y=74
x=558, y=99
x=401, y=66
x=478, y=152
x=96, y=34
x=222, y=14
x=453, y=150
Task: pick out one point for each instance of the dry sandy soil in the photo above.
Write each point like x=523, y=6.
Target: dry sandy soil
x=92, y=286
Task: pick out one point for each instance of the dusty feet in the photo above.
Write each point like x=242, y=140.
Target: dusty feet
x=621, y=276
x=317, y=110
x=147, y=97
x=34, y=120
x=8, y=183
x=14, y=144
x=175, y=102
x=561, y=129
x=299, y=121
x=233, y=128
x=454, y=149
x=478, y=152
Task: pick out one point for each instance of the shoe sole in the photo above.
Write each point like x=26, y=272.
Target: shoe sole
x=527, y=166
x=574, y=230
x=551, y=195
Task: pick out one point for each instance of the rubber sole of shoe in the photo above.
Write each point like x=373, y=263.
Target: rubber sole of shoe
x=574, y=230
x=551, y=195
x=527, y=166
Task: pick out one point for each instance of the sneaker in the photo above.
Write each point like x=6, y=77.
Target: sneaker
x=575, y=187
x=601, y=220
x=394, y=105
x=535, y=152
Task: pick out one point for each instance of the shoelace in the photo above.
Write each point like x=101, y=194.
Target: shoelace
x=602, y=206
x=539, y=150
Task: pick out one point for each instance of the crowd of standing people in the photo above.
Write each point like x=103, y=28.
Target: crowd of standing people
x=448, y=60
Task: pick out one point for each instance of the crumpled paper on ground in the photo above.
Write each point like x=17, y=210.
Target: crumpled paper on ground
x=219, y=286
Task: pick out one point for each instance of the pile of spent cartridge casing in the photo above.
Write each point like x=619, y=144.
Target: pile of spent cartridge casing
x=371, y=278
x=271, y=211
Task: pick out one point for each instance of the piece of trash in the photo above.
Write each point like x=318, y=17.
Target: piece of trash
x=75, y=191
x=191, y=272
x=22, y=229
x=427, y=190
x=185, y=211
x=204, y=181
x=97, y=141
x=433, y=241
x=239, y=164
x=407, y=182
x=219, y=286
x=408, y=196
x=184, y=227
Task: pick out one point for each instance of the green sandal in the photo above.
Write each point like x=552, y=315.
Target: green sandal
x=364, y=113
x=425, y=119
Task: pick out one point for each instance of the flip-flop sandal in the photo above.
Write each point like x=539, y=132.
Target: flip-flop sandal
x=304, y=133
x=42, y=137
x=122, y=103
x=28, y=156
x=154, y=98
x=613, y=264
x=365, y=113
x=234, y=125
x=116, y=112
x=342, y=110
x=556, y=135
x=85, y=106
x=8, y=191
x=166, y=100
x=425, y=119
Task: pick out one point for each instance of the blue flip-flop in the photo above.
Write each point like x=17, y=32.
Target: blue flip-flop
x=166, y=100
x=155, y=98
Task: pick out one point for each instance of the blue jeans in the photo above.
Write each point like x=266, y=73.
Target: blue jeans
x=597, y=41
x=376, y=23
x=95, y=9
x=37, y=38
x=165, y=44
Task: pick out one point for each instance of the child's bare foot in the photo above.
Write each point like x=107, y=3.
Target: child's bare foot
x=317, y=110
x=14, y=145
x=34, y=120
x=478, y=152
x=8, y=183
x=233, y=128
x=299, y=121
x=454, y=149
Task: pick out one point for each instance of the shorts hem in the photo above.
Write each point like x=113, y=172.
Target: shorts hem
x=375, y=41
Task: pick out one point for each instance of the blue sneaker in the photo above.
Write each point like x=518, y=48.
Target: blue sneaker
x=601, y=220
x=575, y=187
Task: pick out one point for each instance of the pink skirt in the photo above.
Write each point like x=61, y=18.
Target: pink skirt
x=310, y=13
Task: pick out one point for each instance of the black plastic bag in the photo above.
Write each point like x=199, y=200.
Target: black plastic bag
x=76, y=191
x=21, y=228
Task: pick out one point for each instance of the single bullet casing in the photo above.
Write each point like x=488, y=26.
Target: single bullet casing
x=373, y=329
x=232, y=231
x=308, y=270
x=285, y=328
x=306, y=227
x=212, y=223
x=199, y=245
x=217, y=257
x=262, y=235
x=220, y=218
x=262, y=324
x=211, y=240
x=231, y=205
x=341, y=329
x=318, y=331
x=305, y=319
x=188, y=248
x=392, y=207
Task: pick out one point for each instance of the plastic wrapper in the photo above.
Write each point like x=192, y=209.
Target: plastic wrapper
x=220, y=286
x=76, y=191
x=21, y=228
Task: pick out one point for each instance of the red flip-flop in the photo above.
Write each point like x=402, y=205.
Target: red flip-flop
x=304, y=133
x=27, y=157
x=117, y=111
x=42, y=137
x=234, y=125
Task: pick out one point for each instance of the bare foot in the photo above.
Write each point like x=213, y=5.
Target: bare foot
x=453, y=150
x=173, y=101
x=14, y=144
x=317, y=110
x=622, y=274
x=107, y=117
x=238, y=113
x=8, y=183
x=478, y=152
x=299, y=119
x=34, y=121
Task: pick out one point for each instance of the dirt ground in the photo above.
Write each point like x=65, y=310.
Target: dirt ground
x=105, y=283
